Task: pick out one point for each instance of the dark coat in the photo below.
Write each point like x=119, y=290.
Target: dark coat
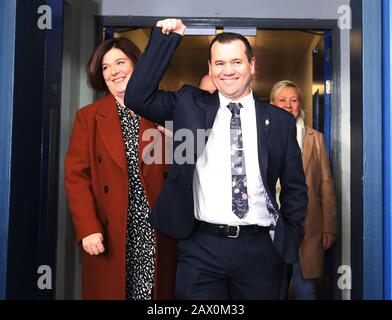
x=96, y=182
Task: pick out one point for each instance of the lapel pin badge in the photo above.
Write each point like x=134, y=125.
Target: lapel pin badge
x=267, y=122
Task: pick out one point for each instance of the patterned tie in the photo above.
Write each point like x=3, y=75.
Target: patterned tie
x=238, y=173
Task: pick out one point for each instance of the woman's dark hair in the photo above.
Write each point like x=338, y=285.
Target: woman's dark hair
x=94, y=66
x=226, y=37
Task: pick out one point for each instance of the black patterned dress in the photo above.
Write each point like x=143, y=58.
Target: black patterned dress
x=140, y=246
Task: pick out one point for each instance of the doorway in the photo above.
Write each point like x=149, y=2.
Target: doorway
x=280, y=54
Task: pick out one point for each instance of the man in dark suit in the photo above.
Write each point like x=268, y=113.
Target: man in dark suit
x=219, y=202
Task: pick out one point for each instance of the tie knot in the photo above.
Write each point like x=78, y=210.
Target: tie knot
x=234, y=107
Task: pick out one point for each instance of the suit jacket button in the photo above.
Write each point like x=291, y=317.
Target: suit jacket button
x=106, y=189
x=165, y=175
x=99, y=158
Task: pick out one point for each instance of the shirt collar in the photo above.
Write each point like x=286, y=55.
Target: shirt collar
x=245, y=101
x=300, y=121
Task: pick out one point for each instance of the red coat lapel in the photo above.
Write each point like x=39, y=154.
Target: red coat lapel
x=109, y=128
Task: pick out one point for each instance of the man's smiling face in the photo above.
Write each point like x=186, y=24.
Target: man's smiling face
x=230, y=69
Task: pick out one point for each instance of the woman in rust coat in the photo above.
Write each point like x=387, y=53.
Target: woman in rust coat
x=111, y=190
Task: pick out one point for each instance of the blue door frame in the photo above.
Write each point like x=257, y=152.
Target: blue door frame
x=29, y=127
x=366, y=151
x=373, y=275
x=387, y=138
x=327, y=66
x=7, y=49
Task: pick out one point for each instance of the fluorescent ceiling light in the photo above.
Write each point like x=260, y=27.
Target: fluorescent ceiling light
x=200, y=31
x=243, y=31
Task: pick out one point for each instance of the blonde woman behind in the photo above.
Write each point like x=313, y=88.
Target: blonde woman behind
x=320, y=219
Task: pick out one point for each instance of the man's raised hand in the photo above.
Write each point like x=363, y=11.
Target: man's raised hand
x=172, y=25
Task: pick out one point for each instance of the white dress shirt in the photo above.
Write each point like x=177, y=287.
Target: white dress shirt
x=300, y=132
x=212, y=177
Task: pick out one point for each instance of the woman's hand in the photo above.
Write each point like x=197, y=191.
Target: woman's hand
x=328, y=240
x=93, y=244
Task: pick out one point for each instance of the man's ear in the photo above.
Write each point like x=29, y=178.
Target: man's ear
x=252, y=64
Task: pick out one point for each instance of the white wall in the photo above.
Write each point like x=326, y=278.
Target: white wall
x=78, y=43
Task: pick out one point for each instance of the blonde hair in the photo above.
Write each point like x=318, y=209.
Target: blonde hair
x=283, y=84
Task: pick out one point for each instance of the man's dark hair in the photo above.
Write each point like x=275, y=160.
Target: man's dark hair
x=226, y=37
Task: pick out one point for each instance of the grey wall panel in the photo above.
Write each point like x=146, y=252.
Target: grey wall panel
x=115, y=8
x=298, y=9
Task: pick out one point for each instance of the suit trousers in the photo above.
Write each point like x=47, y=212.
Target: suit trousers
x=221, y=268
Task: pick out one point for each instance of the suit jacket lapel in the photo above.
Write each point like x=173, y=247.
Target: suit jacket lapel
x=308, y=147
x=109, y=128
x=263, y=131
x=211, y=106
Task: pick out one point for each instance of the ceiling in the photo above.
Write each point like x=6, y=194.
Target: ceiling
x=278, y=54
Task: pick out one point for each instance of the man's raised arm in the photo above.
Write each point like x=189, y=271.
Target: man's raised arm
x=142, y=94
